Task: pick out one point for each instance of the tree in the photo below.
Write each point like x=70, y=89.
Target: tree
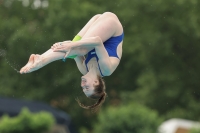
x=27, y=122
x=127, y=119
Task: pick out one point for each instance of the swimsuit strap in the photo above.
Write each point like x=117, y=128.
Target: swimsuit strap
x=92, y=54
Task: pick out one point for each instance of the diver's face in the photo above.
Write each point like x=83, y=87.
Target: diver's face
x=88, y=84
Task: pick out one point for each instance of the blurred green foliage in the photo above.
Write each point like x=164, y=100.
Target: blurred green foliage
x=27, y=122
x=159, y=68
x=132, y=118
x=194, y=131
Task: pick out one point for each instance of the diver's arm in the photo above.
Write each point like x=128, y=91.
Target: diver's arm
x=104, y=61
x=80, y=64
x=88, y=43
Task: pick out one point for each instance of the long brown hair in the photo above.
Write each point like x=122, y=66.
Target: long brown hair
x=99, y=93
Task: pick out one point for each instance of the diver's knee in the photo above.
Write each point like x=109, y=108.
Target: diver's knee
x=96, y=16
x=108, y=14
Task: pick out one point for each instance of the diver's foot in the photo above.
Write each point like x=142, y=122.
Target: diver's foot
x=34, y=64
x=30, y=62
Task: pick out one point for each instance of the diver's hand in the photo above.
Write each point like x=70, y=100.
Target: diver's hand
x=62, y=47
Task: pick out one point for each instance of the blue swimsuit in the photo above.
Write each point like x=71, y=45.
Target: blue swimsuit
x=110, y=46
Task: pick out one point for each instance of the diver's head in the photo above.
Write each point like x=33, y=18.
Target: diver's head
x=88, y=84
x=95, y=89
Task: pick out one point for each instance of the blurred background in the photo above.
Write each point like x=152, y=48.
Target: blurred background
x=157, y=79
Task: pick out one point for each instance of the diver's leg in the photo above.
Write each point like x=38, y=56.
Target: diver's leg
x=88, y=25
x=106, y=26
x=37, y=61
x=81, y=32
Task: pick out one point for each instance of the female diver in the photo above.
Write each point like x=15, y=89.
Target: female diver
x=101, y=39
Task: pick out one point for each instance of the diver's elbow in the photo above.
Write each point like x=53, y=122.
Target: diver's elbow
x=98, y=40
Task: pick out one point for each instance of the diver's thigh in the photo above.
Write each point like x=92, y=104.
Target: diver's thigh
x=104, y=28
x=88, y=25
